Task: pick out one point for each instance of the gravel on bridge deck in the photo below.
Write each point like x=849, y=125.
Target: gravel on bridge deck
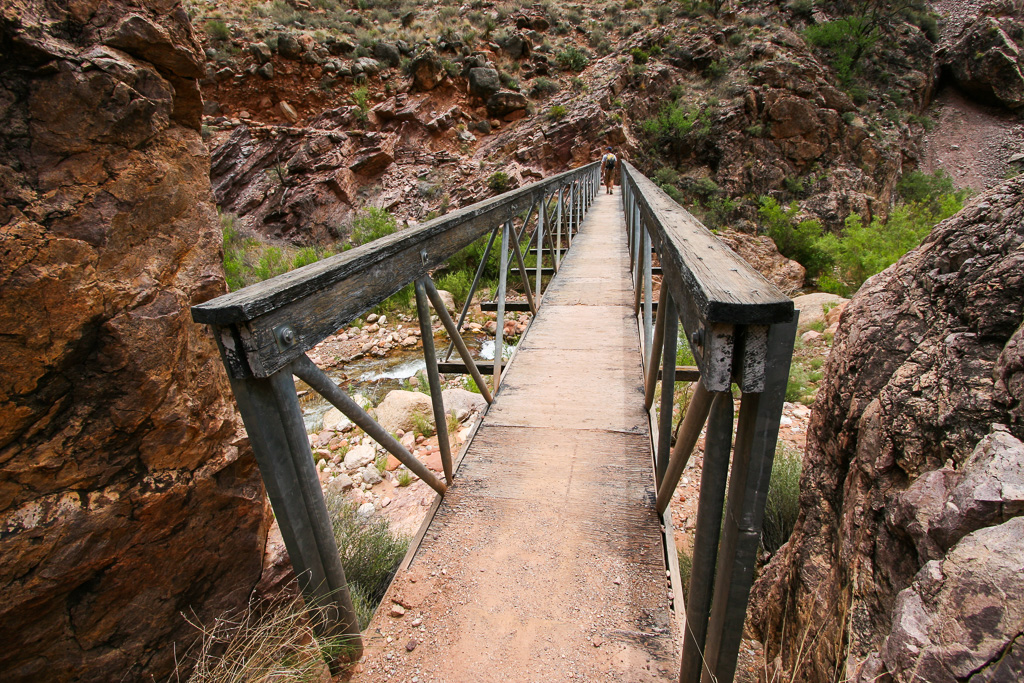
x=545, y=560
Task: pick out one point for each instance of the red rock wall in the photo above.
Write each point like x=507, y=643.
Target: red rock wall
x=125, y=499
x=926, y=363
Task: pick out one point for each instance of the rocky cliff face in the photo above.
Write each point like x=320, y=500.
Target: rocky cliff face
x=126, y=497
x=985, y=57
x=906, y=557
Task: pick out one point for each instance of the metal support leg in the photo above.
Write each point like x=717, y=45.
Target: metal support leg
x=499, y=333
x=309, y=373
x=434, y=378
x=717, y=445
x=648, y=295
x=472, y=289
x=272, y=416
x=457, y=339
x=689, y=432
x=666, y=311
x=654, y=353
x=558, y=224
x=540, y=243
x=525, y=276
x=756, y=437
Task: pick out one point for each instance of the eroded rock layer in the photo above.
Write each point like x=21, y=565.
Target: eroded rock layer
x=126, y=497
x=913, y=469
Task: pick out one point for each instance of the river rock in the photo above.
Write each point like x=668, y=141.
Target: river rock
x=340, y=483
x=447, y=299
x=463, y=402
x=128, y=494
x=371, y=475
x=359, y=457
x=387, y=53
x=366, y=510
x=926, y=362
x=335, y=420
x=397, y=409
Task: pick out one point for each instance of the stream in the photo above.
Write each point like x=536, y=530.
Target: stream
x=372, y=377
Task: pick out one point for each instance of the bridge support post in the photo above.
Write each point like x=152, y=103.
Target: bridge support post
x=666, y=313
x=273, y=419
x=717, y=445
x=499, y=332
x=540, y=243
x=756, y=437
x=434, y=379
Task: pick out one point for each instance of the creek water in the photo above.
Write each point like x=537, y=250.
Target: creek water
x=372, y=377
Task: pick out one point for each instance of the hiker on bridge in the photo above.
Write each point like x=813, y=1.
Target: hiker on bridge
x=608, y=163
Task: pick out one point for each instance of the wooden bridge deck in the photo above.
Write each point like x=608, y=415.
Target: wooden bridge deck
x=545, y=561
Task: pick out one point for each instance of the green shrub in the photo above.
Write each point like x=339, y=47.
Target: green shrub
x=666, y=175
x=370, y=553
x=783, y=504
x=675, y=126
x=456, y=282
x=798, y=240
x=557, y=112
x=573, y=59
x=499, y=181
x=217, y=30
x=918, y=186
x=685, y=570
x=846, y=40
x=370, y=225
x=639, y=56
x=716, y=69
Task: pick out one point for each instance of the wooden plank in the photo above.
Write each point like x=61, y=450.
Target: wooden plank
x=517, y=306
x=453, y=367
x=723, y=287
x=316, y=300
x=684, y=373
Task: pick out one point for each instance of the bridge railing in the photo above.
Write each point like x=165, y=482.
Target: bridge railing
x=741, y=331
x=264, y=331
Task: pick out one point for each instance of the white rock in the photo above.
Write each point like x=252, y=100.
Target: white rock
x=463, y=402
x=360, y=456
x=340, y=483
x=335, y=420
x=366, y=510
x=397, y=409
x=371, y=475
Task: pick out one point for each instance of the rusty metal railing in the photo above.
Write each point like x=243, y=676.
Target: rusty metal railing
x=741, y=331
x=265, y=330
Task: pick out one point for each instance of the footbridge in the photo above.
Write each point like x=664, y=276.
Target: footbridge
x=549, y=553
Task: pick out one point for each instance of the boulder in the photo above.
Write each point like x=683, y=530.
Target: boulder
x=371, y=475
x=962, y=614
x=365, y=65
x=515, y=45
x=427, y=71
x=260, y=52
x=447, y=299
x=359, y=457
x=761, y=253
x=129, y=494
x=506, y=102
x=483, y=82
x=335, y=420
x=288, y=46
x=926, y=361
x=397, y=410
x=812, y=306
x=387, y=53
x=463, y=402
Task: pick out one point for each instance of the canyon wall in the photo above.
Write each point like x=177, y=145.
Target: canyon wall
x=906, y=559
x=127, y=496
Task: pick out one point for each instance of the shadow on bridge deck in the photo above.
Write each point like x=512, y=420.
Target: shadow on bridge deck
x=545, y=561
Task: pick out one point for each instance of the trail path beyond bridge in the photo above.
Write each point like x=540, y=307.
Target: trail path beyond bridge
x=545, y=562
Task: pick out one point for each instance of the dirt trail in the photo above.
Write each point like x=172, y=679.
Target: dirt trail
x=545, y=560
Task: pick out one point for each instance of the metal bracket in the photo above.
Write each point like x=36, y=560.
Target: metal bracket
x=285, y=337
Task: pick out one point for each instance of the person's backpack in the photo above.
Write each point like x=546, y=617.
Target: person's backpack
x=609, y=161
